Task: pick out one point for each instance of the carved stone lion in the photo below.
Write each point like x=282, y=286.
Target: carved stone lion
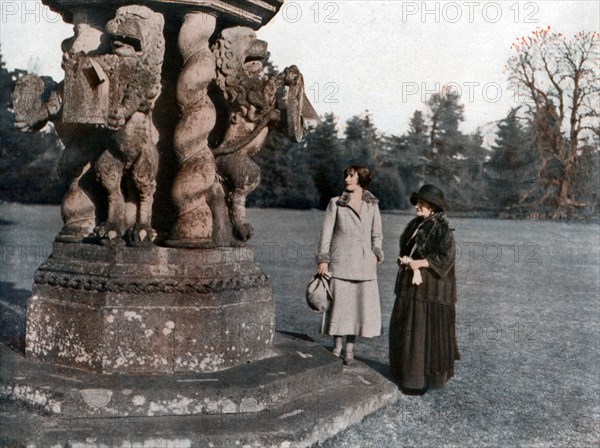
x=253, y=110
x=135, y=72
x=103, y=114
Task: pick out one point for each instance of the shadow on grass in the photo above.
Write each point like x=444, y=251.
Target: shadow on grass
x=301, y=336
x=12, y=317
x=382, y=368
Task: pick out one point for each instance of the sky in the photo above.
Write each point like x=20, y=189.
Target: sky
x=384, y=57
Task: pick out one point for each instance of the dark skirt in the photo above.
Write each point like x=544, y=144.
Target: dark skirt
x=423, y=344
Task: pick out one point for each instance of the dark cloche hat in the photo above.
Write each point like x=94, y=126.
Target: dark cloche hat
x=429, y=193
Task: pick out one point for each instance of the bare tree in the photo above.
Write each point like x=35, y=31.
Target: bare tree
x=559, y=79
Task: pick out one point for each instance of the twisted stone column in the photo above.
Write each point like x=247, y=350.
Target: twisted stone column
x=193, y=227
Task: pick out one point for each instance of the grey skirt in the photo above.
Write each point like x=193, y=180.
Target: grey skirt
x=355, y=309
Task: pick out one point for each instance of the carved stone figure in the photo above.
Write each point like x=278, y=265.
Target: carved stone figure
x=253, y=110
x=155, y=318
x=103, y=115
x=37, y=100
x=135, y=71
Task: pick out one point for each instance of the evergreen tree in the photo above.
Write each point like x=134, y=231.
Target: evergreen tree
x=509, y=172
x=454, y=157
x=364, y=146
x=27, y=161
x=362, y=143
x=269, y=67
x=286, y=179
x=417, y=134
x=324, y=151
x=412, y=151
x=469, y=182
x=6, y=116
x=389, y=188
x=588, y=175
x=445, y=115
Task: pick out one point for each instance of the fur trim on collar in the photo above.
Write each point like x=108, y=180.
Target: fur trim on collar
x=367, y=197
x=430, y=233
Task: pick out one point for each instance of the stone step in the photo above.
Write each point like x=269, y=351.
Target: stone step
x=296, y=420
x=296, y=367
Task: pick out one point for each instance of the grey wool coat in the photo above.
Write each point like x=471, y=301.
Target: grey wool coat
x=351, y=241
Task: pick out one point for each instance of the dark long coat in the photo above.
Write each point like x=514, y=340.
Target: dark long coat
x=423, y=344
x=434, y=242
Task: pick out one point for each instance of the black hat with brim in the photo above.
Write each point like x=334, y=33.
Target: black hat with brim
x=431, y=194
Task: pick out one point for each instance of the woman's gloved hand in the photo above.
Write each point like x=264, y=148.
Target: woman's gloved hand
x=322, y=268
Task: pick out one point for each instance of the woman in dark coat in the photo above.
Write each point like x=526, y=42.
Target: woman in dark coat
x=423, y=344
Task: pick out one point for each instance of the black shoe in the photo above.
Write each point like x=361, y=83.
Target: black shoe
x=413, y=391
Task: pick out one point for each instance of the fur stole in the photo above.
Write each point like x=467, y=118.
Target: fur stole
x=429, y=234
x=367, y=196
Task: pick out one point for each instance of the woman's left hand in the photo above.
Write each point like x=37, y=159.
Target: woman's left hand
x=417, y=278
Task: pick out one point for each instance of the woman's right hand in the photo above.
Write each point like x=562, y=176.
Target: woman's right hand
x=323, y=268
x=403, y=261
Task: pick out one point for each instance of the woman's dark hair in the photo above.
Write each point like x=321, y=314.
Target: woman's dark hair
x=433, y=207
x=365, y=175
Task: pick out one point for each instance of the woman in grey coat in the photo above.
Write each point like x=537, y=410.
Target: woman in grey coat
x=350, y=249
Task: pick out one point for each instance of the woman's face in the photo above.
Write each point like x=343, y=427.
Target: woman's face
x=351, y=181
x=424, y=209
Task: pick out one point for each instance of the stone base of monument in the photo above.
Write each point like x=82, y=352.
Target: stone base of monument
x=118, y=309
x=169, y=347
x=299, y=396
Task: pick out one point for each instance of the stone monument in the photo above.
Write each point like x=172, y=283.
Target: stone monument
x=150, y=288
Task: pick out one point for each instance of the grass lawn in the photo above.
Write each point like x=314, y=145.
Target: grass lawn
x=527, y=316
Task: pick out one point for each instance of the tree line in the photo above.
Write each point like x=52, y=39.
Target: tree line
x=544, y=162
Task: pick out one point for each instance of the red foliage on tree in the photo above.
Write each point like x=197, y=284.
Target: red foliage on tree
x=559, y=79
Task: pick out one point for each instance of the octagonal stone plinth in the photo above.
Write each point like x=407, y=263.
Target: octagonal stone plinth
x=297, y=398
x=150, y=309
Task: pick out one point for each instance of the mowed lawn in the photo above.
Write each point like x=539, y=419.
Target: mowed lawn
x=528, y=324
